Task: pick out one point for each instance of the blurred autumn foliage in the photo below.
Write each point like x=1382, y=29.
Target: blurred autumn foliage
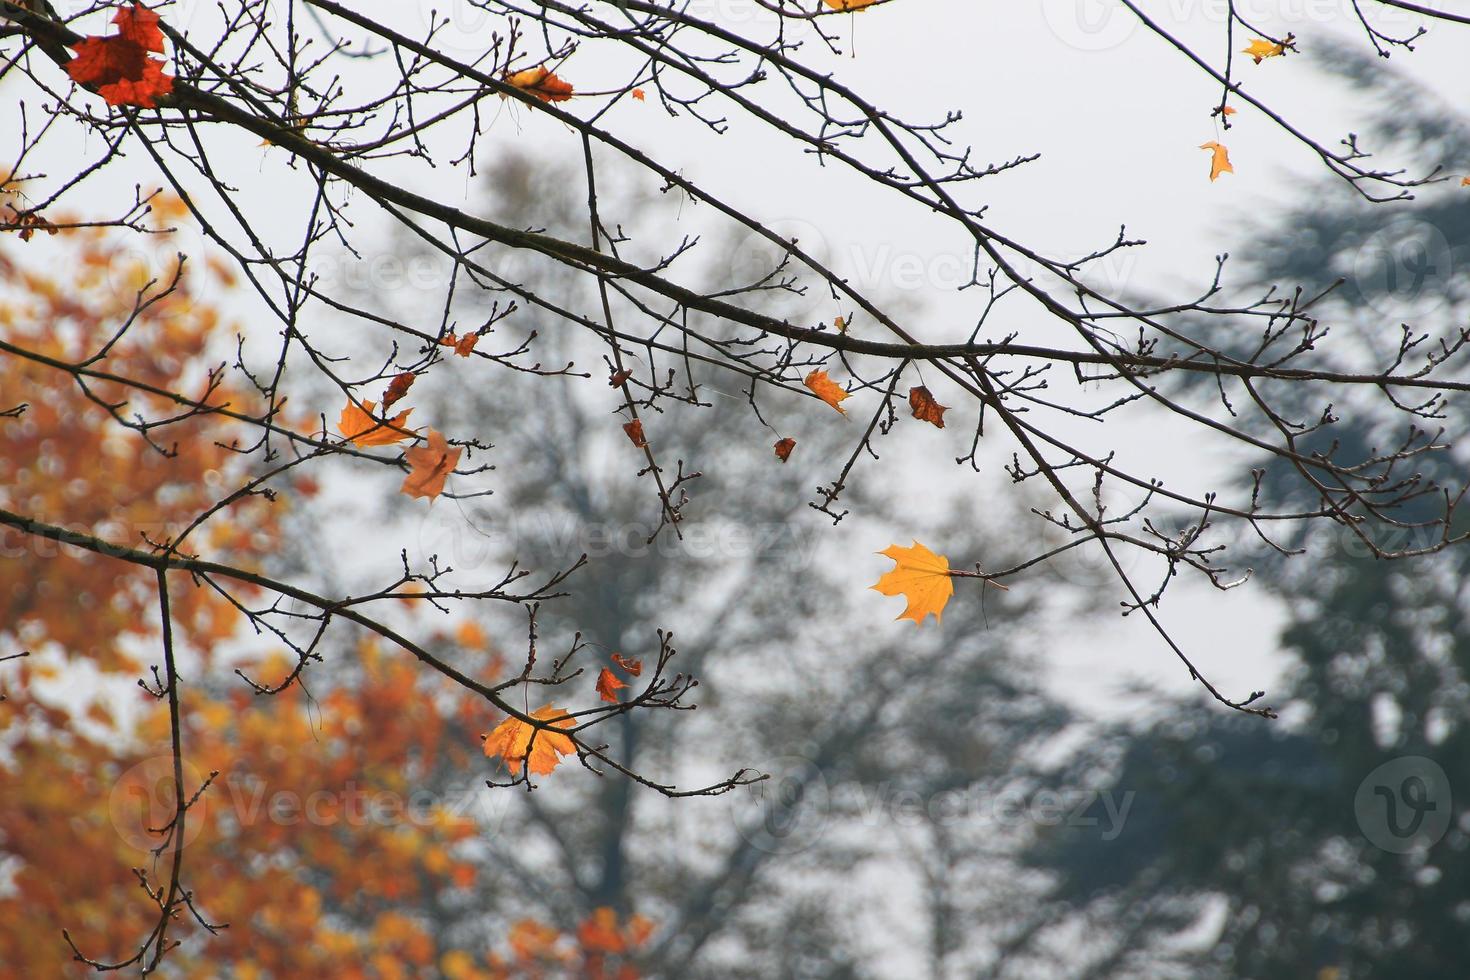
x=308, y=852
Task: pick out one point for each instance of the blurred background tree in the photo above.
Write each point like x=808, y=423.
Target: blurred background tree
x=1264, y=850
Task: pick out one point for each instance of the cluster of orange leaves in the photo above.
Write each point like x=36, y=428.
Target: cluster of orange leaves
x=602, y=948
x=318, y=887
x=118, y=67
x=429, y=465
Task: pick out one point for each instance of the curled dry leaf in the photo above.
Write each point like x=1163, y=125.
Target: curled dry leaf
x=608, y=684
x=784, y=447
x=922, y=577
x=1219, y=159
x=541, y=82
x=397, y=388
x=634, y=667
x=118, y=67
x=513, y=740
x=619, y=378
x=925, y=408
x=826, y=389
x=430, y=466
x=365, y=429
x=635, y=432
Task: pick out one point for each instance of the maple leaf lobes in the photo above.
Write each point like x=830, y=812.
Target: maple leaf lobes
x=117, y=67
x=513, y=740
x=925, y=408
x=1260, y=49
x=359, y=425
x=430, y=466
x=608, y=684
x=826, y=389
x=920, y=576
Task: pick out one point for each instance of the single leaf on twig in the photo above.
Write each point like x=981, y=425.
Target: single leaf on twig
x=925, y=408
x=826, y=389
x=430, y=466
x=117, y=67
x=1260, y=49
x=1219, y=159
x=784, y=447
x=635, y=432
x=541, y=82
x=922, y=577
x=513, y=739
x=365, y=429
x=608, y=684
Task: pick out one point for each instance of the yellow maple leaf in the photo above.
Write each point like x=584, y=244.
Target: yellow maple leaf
x=1219, y=159
x=512, y=740
x=922, y=577
x=826, y=389
x=364, y=429
x=1260, y=49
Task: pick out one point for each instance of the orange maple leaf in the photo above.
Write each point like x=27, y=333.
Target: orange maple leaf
x=635, y=432
x=925, y=408
x=634, y=667
x=1219, y=159
x=541, y=82
x=429, y=466
x=364, y=429
x=826, y=389
x=638, y=94
x=513, y=740
x=117, y=67
x=922, y=577
x=784, y=447
x=619, y=378
x=1260, y=49
x=849, y=4
x=608, y=684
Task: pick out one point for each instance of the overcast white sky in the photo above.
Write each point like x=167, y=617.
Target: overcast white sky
x=1117, y=117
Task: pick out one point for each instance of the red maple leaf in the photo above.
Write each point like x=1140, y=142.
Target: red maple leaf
x=117, y=67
